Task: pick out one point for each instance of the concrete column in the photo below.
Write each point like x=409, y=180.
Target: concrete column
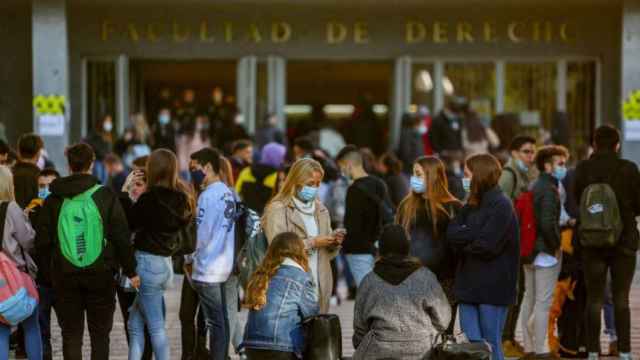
x=51, y=70
x=246, y=91
x=401, y=98
x=438, y=88
x=561, y=85
x=630, y=66
x=277, y=84
x=500, y=85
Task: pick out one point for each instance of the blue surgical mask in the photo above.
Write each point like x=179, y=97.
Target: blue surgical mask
x=197, y=177
x=44, y=192
x=308, y=193
x=417, y=185
x=164, y=119
x=466, y=184
x=521, y=165
x=559, y=172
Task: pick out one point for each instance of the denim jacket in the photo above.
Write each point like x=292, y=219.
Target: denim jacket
x=291, y=297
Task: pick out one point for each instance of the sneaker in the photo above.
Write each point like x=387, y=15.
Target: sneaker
x=613, y=348
x=625, y=356
x=593, y=356
x=512, y=349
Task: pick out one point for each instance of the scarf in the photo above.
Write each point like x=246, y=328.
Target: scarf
x=394, y=269
x=305, y=208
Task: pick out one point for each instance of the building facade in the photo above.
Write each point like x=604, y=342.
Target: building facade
x=75, y=60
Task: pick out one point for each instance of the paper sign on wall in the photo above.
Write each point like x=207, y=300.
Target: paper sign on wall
x=51, y=125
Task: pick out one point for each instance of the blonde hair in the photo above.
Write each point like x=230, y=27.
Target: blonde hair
x=296, y=178
x=284, y=245
x=6, y=184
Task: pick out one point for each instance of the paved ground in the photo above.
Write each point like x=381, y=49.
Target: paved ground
x=345, y=311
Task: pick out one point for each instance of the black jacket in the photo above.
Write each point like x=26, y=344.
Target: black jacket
x=398, y=187
x=432, y=248
x=445, y=133
x=624, y=178
x=25, y=182
x=156, y=219
x=100, y=146
x=411, y=147
x=362, y=215
x=546, y=206
x=487, y=240
x=118, y=251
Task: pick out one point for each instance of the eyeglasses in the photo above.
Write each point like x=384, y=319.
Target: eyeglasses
x=527, y=151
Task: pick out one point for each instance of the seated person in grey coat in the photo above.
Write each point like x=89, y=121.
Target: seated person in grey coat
x=400, y=306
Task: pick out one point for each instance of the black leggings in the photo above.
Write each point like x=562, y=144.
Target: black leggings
x=256, y=354
x=596, y=264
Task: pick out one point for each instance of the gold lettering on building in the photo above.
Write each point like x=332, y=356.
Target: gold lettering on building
x=464, y=32
x=106, y=30
x=254, y=34
x=489, y=30
x=415, y=32
x=134, y=35
x=179, y=34
x=228, y=31
x=440, y=35
x=204, y=32
x=512, y=32
x=564, y=34
x=152, y=34
x=360, y=33
x=280, y=32
x=336, y=33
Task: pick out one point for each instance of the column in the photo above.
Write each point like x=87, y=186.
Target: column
x=50, y=61
x=561, y=86
x=277, y=84
x=246, y=91
x=401, y=98
x=500, y=85
x=438, y=87
x=630, y=70
x=122, y=93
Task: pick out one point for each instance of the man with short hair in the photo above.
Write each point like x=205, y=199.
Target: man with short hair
x=241, y=156
x=514, y=181
x=214, y=257
x=26, y=170
x=303, y=148
x=367, y=196
x=622, y=176
x=542, y=267
x=83, y=286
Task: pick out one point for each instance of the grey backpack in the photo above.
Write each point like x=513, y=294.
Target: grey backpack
x=600, y=221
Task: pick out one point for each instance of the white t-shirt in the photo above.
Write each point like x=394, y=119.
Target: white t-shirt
x=307, y=213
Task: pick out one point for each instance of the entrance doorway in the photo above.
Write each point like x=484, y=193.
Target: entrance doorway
x=351, y=97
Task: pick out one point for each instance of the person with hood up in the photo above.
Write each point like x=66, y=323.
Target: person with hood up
x=400, y=306
x=255, y=183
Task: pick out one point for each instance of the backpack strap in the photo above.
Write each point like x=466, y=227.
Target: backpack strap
x=89, y=193
x=3, y=218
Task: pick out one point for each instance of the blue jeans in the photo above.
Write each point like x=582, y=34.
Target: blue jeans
x=360, y=265
x=155, y=274
x=47, y=299
x=484, y=323
x=32, y=338
x=213, y=303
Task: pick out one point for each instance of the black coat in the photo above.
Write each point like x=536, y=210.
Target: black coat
x=487, y=241
x=624, y=178
x=411, y=147
x=25, y=182
x=156, y=219
x=398, y=187
x=432, y=248
x=445, y=134
x=546, y=205
x=118, y=251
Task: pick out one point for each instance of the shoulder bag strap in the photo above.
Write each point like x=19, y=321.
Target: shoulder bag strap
x=515, y=181
x=3, y=219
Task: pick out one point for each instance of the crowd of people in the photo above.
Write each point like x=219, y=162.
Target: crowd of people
x=434, y=236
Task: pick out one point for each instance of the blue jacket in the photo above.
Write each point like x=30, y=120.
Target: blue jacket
x=291, y=297
x=487, y=240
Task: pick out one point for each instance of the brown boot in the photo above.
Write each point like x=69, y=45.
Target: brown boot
x=613, y=348
x=512, y=349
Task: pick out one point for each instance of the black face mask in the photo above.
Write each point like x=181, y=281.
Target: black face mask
x=197, y=177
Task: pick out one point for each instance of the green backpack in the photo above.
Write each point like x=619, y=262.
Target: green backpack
x=600, y=221
x=80, y=231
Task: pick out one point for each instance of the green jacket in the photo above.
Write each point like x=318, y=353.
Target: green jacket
x=511, y=185
x=546, y=204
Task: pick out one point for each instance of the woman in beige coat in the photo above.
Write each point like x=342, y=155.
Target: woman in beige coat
x=297, y=209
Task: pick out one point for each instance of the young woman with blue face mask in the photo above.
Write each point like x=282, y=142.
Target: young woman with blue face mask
x=297, y=209
x=425, y=215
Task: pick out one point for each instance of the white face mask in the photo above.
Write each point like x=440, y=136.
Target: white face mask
x=108, y=126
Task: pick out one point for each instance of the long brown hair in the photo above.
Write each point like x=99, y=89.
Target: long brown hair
x=226, y=172
x=284, y=245
x=486, y=172
x=162, y=170
x=437, y=195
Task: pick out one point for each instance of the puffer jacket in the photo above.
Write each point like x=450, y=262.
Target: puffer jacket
x=546, y=205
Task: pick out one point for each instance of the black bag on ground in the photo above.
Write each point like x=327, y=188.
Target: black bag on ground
x=446, y=348
x=323, y=338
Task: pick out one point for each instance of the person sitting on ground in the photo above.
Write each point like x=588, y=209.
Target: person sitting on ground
x=280, y=295
x=400, y=306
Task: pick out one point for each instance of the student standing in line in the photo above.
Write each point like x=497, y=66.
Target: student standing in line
x=485, y=235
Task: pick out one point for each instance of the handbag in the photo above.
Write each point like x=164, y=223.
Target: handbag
x=323, y=337
x=446, y=348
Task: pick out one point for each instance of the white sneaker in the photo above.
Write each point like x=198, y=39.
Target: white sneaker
x=593, y=356
x=625, y=356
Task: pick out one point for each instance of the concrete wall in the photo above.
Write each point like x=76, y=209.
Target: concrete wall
x=171, y=32
x=15, y=68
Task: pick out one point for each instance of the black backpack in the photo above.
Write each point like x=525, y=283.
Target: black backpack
x=323, y=337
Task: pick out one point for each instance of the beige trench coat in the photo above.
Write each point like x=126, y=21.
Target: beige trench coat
x=282, y=217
